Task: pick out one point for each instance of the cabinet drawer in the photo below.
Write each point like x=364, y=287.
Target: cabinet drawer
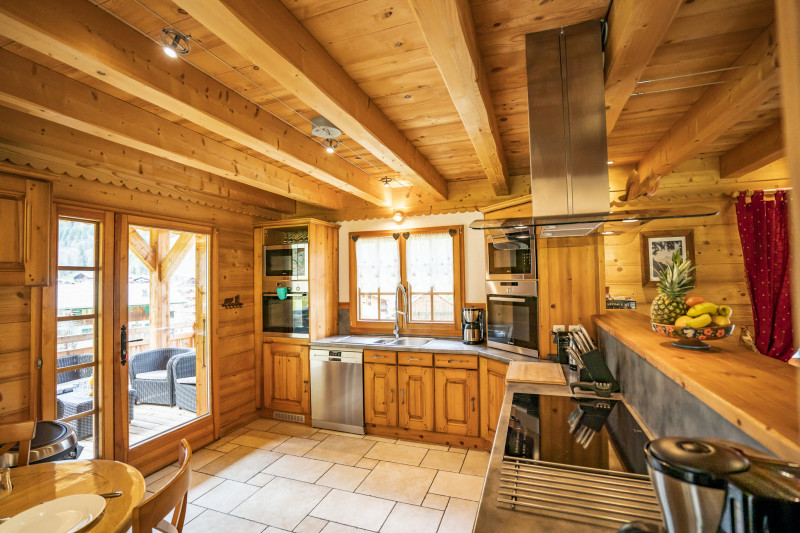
x=444, y=360
x=414, y=359
x=380, y=356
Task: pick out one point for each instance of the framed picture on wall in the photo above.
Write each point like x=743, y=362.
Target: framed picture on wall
x=657, y=250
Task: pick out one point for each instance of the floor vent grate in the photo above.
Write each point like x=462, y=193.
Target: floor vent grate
x=291, y=417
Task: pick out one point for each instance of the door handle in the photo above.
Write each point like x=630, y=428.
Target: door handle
x=305, y=386
x=473, y=404
x=402, y=396
x=123, y=345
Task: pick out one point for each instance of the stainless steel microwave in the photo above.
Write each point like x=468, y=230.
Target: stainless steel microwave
x=512, y=316
x=286, y=261
x=510, y=254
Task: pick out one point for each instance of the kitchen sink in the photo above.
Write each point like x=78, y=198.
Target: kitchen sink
x=365, y=340
x=411, y=341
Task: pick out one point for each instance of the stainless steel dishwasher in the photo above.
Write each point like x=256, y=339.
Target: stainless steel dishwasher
x=337, y=390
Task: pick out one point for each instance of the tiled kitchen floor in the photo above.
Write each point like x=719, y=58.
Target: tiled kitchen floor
x=276, y=476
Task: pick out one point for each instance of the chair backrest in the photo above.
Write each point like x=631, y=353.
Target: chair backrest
x=18, y=432
x=150, y=513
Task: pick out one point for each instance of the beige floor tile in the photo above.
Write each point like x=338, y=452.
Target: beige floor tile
x=476, y=463
x=192, y=512
x=299, y=468
x=419, y=444
x=213, y=522
x=333, y=527
x=203, y=456
x=225, y=496
x=241, y=464
x=457, y=485
x=405, y=518
x=443, y=460
x=393, y=481
x=260, y=479
x=282, y=503
x=271, y=529
x=367, y=463
x=263, y=440
x=296, y=446
x=319, y=436
x=263, y=424
x=293, y=429
x=341, y=433
x=311, y=525
x=378, y=438
x=435, y=501
x=397, y=453
x=456, y=449
x=343, y=477
x=342, y=450
x=354, y=510
x=202, y=483
x=227, y=447
x=459, y=516
x=159, y=478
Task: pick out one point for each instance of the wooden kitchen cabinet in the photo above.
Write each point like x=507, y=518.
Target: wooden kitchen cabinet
x=287, y=380
x=415, y=410
x=456, y=401
x=380, y=394
x=493, y=389
x=25, y=216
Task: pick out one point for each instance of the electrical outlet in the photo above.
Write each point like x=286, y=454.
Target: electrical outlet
x=574, y=328
x=559, y=328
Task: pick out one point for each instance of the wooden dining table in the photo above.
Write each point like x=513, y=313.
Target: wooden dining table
x=43, y=482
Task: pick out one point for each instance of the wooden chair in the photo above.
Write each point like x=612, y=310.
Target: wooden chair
x=150, y=514
x=18, y=432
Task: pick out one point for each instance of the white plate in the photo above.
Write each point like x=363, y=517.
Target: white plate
x=63, y=515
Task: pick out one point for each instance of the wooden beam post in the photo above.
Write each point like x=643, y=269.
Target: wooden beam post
x=79, y=34
x=201, y=323
x=141, y=249
x=635, y=29
x=743, y=90
x=170, y=263
x=159, y=294
x=266, y=33
x=758, y=151
x=38, y=91
x=450, y=33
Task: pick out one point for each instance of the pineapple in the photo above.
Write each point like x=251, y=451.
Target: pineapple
x=675, y=280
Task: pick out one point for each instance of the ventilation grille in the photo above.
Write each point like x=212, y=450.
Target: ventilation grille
x=291, y=417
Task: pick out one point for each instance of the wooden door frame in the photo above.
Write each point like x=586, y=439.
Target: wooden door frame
x=198, y=430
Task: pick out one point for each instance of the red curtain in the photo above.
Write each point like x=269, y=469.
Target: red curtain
x=764, y=232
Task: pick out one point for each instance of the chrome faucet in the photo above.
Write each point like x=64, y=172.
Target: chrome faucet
x=399, y=291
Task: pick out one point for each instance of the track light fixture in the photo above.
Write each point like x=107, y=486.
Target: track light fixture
x=386, y=181
x=175, y=42
x=330, y=145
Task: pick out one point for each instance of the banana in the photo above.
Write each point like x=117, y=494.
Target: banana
x=702, y=309
x=700, y=321
x=682, y=321
x=725, y=311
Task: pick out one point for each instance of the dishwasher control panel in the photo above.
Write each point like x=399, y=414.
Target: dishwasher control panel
x=343, y=356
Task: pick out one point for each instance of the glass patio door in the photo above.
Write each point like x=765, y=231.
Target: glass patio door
x=163, y=321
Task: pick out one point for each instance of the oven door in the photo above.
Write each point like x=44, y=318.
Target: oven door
x=286, y=261
x=510, y=256
x=512, y=317
x=287, y=317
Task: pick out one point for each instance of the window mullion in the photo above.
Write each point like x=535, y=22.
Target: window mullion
x=404, y=280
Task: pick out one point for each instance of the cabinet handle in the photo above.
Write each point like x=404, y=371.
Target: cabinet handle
x=402, y=396
x=305, y=387
x=473, y=404
x=379, y=357
x=451, y=361
x=415, y=358
x=391, y=395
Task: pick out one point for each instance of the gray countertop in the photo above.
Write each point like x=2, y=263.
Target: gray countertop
x=437, y=346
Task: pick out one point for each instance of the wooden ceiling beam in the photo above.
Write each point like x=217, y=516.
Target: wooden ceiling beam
x=758, y=151
x=754, y=81
x=266, y=33
x=85, y=37
x=635, y=29
x=38, y=91
x=450, y=33
x=142, y=250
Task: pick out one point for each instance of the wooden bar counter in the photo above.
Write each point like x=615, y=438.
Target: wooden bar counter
x=755, y=393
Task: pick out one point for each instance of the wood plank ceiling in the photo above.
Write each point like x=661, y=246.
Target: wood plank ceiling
x=388, y=70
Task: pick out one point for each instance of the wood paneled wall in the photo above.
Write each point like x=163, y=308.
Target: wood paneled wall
x=15, y=353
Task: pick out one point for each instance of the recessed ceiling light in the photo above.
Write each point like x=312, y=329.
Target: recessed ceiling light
x=175, y=42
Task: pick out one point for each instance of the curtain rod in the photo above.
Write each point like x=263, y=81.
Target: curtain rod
x=749, y=192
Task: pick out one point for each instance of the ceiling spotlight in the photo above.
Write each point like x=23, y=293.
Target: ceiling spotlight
x=175, y=42
x=330, y=145
x=398, y=217
x=386, y=181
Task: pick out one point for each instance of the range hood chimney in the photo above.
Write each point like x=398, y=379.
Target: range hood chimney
x=566, y=113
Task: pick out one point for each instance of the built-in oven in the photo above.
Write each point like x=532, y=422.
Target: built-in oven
x=286, y=261
x=510, y=254
x=286, y=308
x=512, y=316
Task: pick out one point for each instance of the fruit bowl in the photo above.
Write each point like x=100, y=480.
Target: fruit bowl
x=692, y=338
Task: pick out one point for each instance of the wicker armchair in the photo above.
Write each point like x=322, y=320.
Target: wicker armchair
x=183, y=372
x=151, y=375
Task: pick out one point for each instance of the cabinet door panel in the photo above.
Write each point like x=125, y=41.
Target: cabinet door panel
x=457, y=401
x=416, y=397
x=380, y=394
x=493, y=389
x=290, y=378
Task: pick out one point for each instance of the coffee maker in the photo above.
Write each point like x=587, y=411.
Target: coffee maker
x=472, y=331
x=709, y=485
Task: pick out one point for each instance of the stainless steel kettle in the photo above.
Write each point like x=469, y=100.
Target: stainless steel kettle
x=710, y=486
